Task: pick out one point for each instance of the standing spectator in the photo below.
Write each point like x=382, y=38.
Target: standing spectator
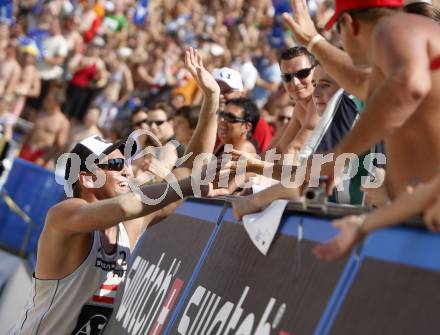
x=87, y=128
x=74, y=39
x=10, y=71
x=120, y=81
x=29, y=85
x=47, y=140
x=55, y=50
x=269, y=76
x=88, y=72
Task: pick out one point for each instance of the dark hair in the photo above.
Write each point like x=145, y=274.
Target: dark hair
x=424, y=9
x=294, y=52
x=250, y=111
x=189, y=113
x=166, y=107
x=139, y=109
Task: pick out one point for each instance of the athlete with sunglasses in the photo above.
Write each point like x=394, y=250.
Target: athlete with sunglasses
x=86, y=241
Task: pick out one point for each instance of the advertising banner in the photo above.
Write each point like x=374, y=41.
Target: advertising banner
x=159, y=270
x=241, y=291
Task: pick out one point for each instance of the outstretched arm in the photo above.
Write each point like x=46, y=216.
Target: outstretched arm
x=77, y=216
x=203, y=139
x=354, y=228
x=255, y=202
x=336, y=62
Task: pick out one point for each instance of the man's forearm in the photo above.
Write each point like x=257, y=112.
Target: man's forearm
x=203, y=139
x=339, y=66
x=404, y=207
x=137, y=204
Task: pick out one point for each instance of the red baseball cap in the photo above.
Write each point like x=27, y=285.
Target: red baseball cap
x=346, y=5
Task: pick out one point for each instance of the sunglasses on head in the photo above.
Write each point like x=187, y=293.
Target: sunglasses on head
x=139, y=123
x=229, y=117
x=157, y=123
x=113, y=164
x=301, y=74
x=282, y=118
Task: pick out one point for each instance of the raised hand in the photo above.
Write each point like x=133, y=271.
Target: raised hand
x=349, y=234
x=301, y=24
x=205, y=81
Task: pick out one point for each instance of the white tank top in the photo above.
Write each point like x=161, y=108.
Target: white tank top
x=82, y=302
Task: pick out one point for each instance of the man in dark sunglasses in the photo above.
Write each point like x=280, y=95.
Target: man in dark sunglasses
x=297, y=67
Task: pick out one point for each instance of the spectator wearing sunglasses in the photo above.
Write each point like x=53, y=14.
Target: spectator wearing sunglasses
x=235, y=125
x=231, y=87
x=297, y=67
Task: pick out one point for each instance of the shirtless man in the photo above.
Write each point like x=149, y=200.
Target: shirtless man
x=48, y=138
x=29, y=85
x=297, y=66
x=404, y=57
x=10, y=71
x=86, y=241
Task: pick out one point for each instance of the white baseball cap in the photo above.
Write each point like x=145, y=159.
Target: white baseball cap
x=230, y=77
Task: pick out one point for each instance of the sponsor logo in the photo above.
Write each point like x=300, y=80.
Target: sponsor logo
x=230, y=317
x=149, y=295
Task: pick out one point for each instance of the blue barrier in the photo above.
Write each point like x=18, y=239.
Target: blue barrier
x=34, y=190
x=394, y=269
x=233, y=288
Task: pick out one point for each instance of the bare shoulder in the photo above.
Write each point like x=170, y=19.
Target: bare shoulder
x=58, y=216
x=247, y=147
x=403, y=26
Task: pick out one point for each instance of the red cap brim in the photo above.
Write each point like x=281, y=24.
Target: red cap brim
x=331, y=22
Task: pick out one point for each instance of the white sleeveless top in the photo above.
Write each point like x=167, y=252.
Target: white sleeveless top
x=82, y=302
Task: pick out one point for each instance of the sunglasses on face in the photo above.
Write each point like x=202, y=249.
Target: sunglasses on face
x=157, y=123
x=140, y=123
x=301, y=74
x=113, y=164
x=282, y=118
x=229, y=117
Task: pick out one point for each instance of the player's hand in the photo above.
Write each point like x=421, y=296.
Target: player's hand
x=350, y=233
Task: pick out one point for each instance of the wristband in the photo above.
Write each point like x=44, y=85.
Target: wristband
x=313, y=41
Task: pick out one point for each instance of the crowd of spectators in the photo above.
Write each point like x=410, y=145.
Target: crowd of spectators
x=114, y=66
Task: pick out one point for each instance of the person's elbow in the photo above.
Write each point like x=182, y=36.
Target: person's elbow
x=414, y=87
